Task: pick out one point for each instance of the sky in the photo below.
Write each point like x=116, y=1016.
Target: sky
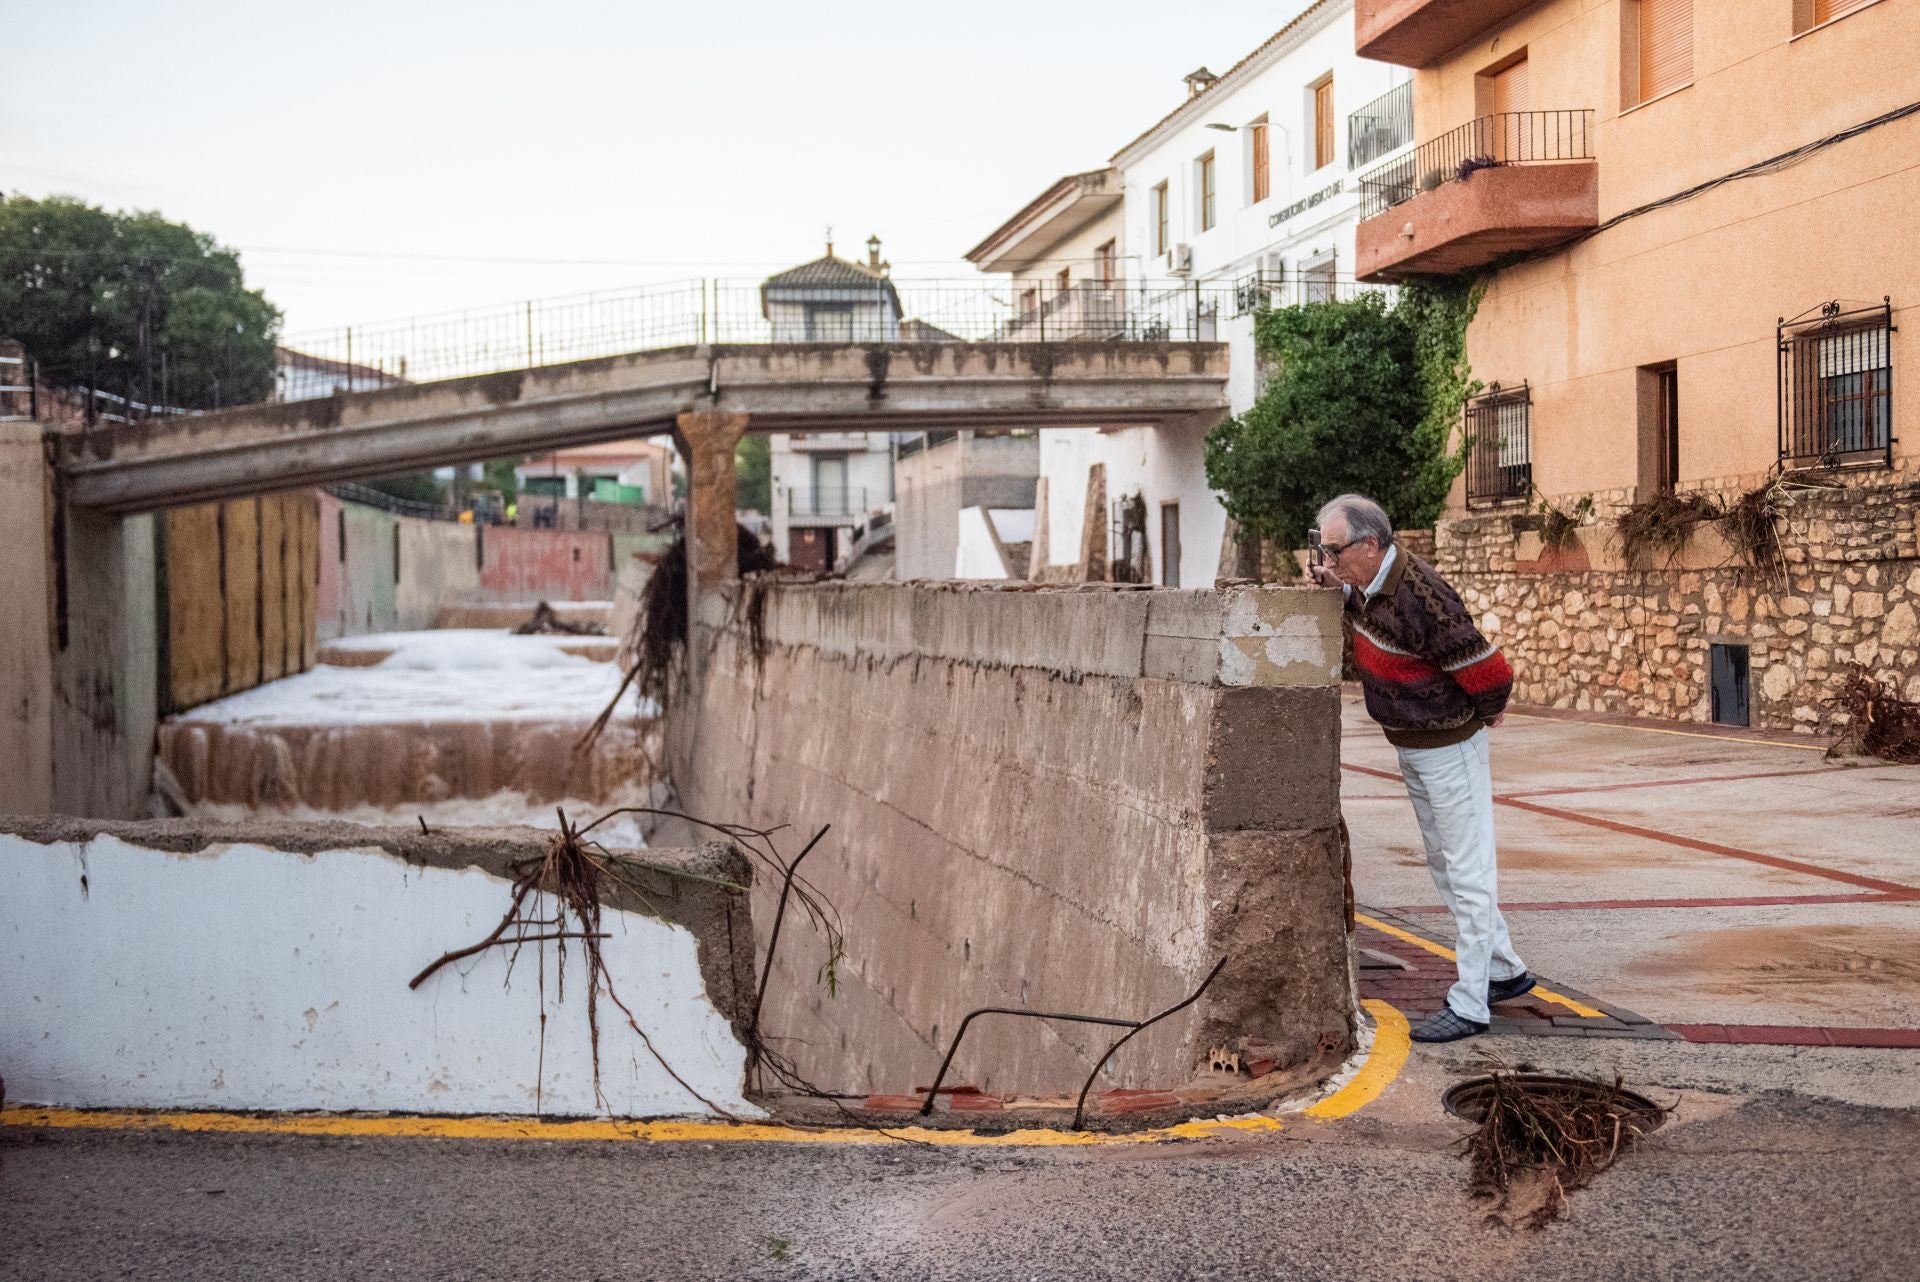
x=375, y=161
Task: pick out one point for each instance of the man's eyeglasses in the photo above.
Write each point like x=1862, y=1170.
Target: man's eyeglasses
x=1332, y=551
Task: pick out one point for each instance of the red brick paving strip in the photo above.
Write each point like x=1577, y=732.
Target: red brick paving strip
x=1677, y=783
x=1781, y=1035
x=1751, y=901
x=1891, y=888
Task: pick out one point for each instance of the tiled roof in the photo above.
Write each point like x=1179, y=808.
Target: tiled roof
x=830, y=271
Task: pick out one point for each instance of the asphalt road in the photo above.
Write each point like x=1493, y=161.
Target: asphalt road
x=1767, y=1187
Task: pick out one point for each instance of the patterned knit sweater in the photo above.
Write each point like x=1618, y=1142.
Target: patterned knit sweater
x=1430, y=678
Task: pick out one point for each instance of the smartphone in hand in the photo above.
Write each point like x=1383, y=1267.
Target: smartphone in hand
x=1316, y=557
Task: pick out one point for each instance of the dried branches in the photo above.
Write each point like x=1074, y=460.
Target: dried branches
x=558, y=898
x=1881, y=723
x=1663, y=524
x=1541, y=1140
x=1560, y=527
x=650, y=652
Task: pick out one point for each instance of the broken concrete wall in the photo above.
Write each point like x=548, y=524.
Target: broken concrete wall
x=1060, y=799
x=178, y=964
x=439, y=566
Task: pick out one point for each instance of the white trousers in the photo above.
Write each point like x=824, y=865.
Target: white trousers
x=1452, y=793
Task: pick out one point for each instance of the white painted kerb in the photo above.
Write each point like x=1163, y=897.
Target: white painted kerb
x=240, y=977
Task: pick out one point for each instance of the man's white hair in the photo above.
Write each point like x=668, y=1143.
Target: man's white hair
x=1365, y=519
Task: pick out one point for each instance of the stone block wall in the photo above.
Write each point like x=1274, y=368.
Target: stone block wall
x=1045, y=799
x=1585, y=631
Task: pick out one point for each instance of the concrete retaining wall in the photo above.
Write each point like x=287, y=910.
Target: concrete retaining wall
x=439, y=565
x=543, y=565
x=1071, y=800
x=265, y=966
x=381, y=573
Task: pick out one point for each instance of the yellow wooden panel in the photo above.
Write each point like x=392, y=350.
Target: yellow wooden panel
x=274, y=588
x=196, y=607
x=241, y=536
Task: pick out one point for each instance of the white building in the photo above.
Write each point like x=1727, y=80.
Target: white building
x=830, y=488
x=1248, y=187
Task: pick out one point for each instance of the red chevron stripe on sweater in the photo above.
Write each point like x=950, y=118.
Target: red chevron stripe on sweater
x=1484, y=674
x=1385, y=665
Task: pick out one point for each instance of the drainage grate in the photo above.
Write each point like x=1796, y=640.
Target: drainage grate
x=1468, y=1100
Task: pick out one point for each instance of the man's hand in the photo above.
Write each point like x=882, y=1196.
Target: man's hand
x=1324, y=576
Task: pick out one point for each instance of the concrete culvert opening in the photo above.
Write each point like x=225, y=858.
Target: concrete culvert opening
x=1540, y=1137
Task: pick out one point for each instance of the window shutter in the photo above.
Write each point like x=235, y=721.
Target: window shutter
x=1828, y=10
x=1323, y=124
x=1512, y=89
x=1666, y=46
x=1260, y=178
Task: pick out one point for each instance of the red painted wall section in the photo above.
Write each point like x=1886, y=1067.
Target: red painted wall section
x=545, y=565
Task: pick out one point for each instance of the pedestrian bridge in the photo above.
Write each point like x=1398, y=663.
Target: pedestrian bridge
x=774, y=387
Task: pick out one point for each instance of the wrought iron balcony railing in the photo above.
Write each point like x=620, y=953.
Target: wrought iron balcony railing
x=1510, y=138
x=1381, y=127
x=831, y=500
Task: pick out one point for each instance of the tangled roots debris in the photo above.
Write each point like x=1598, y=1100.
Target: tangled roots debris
x=1881, y=723
x=1539, y=1142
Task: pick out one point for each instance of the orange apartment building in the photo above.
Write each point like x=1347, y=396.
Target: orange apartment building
x=1698, y=227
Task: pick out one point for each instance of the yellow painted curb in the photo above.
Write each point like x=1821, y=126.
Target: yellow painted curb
x=1441, y=950
x=509, y=1128
x=1383, y=1063
x=1391, y=1041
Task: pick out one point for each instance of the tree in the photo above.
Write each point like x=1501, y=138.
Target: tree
x=753, y=474
x=132, y=304
x=1359, y=402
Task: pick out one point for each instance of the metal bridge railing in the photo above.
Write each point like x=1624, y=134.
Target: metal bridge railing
x=584, y=326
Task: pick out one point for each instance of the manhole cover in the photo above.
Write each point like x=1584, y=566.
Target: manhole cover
x=1468, y=1100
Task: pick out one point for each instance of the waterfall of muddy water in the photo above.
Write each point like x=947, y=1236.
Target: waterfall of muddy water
x=460, y=727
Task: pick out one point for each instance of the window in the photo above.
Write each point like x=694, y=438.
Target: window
x=1261, y=181
x=1065, y=279
x=1660, y=431
x=1500, y=446
x=1103, y=264
x=1506, y=95
x=1659, y=50
x=1204, y=176
x=1160, y=219
x=1316, y=281
x=1323, y=123
x=1029, y=300
x=1808, y=14
x=1836, y=386
x=829, y=324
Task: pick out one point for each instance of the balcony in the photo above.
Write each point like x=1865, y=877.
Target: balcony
x=1380, y=128
x=1498, y=185
x=1417, y=33
x=1084, y=310
x=827, y=505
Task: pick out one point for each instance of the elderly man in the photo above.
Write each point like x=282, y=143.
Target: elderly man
x=1435, y=685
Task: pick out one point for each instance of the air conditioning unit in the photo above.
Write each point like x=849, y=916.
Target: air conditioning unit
x=1180, y=260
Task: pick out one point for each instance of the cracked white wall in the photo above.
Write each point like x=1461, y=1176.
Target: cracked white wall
x=240, y=977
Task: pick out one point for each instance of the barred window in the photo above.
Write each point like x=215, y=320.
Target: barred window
x=1500, y=446
x=1836, y=386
